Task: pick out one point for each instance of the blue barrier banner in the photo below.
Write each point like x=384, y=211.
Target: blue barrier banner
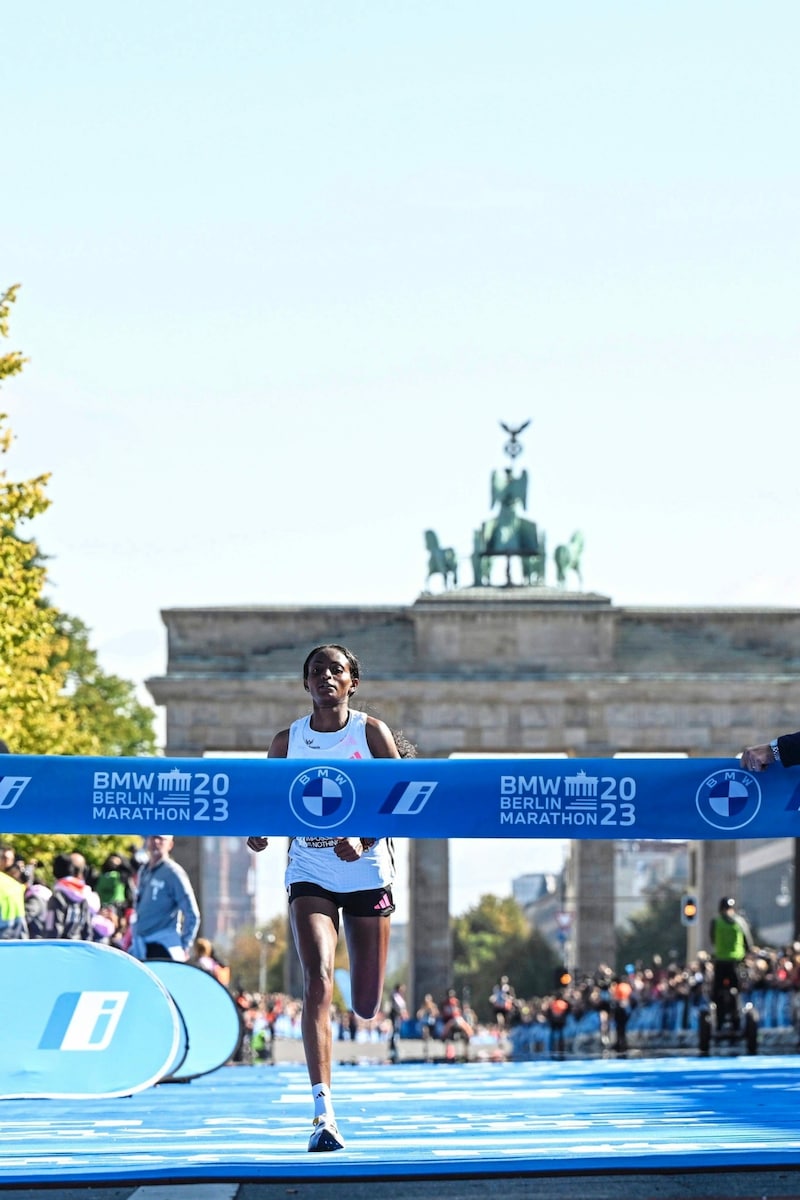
x=605, y=798
x=79, y=1019
x=210, y=1014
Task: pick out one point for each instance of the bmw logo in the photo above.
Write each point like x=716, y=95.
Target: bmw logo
x=729, y=799
x=322, y=797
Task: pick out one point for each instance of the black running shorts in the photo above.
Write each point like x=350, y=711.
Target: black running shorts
x=375, y=902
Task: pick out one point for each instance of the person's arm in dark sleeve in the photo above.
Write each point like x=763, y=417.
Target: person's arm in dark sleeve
x=789, y=749
x=784, y=750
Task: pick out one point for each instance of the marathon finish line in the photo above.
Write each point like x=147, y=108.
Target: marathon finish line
x=593, y=798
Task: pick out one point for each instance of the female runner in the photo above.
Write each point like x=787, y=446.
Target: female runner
x=329, y=875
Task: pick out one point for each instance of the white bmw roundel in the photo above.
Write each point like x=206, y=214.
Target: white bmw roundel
x=322, y=797
x=728, y=799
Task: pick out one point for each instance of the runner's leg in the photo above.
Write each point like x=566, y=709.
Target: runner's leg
x=367, y=947
x=315, y=925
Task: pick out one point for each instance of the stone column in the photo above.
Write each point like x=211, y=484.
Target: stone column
x=590, y=895
x=430, y=945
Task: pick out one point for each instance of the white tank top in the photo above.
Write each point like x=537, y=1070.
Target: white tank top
x=312, y=859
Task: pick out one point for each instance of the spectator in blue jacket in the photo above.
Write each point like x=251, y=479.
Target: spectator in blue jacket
x=167, y=918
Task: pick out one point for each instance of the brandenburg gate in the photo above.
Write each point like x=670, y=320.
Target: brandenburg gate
x=516, y=668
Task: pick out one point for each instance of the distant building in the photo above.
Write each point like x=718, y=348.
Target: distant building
x=557, y=672
x=541, y=899
x=527, y=889
x=767, y=888
x=640, y=868
x=397, y=958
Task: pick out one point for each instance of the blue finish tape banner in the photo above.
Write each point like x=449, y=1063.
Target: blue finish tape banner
x=79, y=1019
x=605, y=798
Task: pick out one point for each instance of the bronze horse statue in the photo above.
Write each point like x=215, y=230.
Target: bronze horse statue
x=568, y=558
x=442, y=560
x=533, y=565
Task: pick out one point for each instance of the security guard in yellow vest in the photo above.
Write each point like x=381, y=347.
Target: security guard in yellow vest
x=731, y=939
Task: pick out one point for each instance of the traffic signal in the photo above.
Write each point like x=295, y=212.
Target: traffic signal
x=689, y=909
x=563, y=977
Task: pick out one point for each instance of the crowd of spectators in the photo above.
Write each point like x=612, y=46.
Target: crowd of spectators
x=659, y=1004
x=73, y=901
x=68, y=900
x=653, y=1008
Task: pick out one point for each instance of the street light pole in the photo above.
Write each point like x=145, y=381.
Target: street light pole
x=265, y=940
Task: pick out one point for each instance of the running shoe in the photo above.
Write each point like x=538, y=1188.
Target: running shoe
x=325, y=1136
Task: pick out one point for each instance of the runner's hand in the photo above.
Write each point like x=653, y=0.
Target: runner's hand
x=348, y=849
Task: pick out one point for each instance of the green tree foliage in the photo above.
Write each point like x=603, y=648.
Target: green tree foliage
x=54, y=697
x=495, y=939
x=655, y=932
x=42, y=848
x=34, y=713
x=103, y=703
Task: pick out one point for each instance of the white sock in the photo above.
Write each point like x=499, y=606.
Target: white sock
x=323, y=1105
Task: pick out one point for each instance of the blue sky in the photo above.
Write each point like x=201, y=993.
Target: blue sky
x=286, y=266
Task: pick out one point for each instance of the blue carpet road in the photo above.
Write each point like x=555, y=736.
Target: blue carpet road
x=419, y=1121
